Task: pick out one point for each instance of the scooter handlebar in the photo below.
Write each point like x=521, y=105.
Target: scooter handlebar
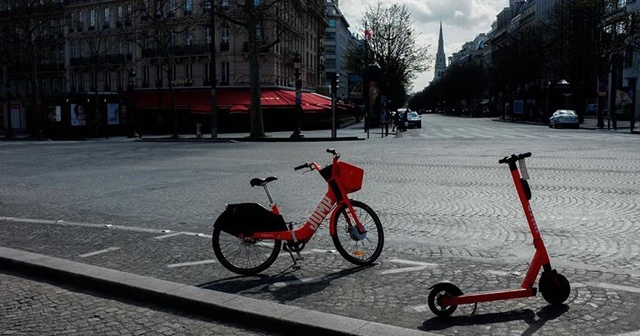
x=514, y=157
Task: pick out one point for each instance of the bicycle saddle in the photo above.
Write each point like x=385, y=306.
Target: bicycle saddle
x=262, y=181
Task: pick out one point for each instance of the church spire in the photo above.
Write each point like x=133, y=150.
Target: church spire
x=441, y=58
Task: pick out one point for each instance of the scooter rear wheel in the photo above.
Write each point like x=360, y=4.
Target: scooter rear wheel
x=554, y=287
x=438, y=291
x=244, y=255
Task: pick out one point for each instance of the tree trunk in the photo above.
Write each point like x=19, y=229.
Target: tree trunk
x=256, y=123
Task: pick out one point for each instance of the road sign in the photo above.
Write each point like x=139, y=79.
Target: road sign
x=602, y=89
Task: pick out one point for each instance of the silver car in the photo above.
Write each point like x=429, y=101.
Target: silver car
x=564, y=118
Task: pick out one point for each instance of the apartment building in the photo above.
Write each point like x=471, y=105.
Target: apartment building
x=119, y=60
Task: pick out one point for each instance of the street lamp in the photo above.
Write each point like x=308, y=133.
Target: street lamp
x=131, y=117
x=9, y=132
x=297, y=64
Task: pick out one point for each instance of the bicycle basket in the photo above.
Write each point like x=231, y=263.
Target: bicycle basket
x=351, y=176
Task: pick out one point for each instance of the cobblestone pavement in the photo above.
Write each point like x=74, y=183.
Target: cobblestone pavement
x=30, y=306
x=448, y=208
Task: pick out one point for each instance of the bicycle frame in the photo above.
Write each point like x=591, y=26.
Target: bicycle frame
x=333, y=199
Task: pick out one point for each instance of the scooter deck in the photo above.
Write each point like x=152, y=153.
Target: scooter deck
x=488, y=296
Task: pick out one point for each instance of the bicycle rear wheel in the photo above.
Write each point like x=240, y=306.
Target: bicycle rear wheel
x=358, y=248
x=244, y=255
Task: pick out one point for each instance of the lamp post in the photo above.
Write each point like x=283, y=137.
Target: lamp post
x=131, y=116
x=9, y=133
x=297, y=64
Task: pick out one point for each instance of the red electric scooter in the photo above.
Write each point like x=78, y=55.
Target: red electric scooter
x=445, y=297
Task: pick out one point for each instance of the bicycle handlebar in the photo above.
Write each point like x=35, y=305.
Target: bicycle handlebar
x=333, y=151
x=514, y=157
x=314, y=165
x=302, y=166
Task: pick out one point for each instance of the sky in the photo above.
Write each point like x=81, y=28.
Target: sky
x=462, y=21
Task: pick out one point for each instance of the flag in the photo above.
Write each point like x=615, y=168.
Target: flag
x=367, y=34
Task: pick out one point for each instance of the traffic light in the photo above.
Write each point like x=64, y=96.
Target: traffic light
x=335, y=80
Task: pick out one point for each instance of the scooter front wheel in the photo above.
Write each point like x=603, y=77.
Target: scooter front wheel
x=554, y=287
x=438, y=291
x=245, y=256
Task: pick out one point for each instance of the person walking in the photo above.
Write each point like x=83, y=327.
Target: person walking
x=396, y=122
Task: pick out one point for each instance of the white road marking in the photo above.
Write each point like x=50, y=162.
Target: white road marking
x=168, y=235
x=90, y=254
x=193, y=263
x=282, y=284
x=614, y=286
x=404, y=269
x=411, y=262
x=417, y=266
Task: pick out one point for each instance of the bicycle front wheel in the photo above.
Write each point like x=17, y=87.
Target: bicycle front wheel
x=244, y=255
x=358, y=248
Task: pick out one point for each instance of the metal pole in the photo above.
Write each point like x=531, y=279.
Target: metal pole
x=333, y=113
x=214, y=79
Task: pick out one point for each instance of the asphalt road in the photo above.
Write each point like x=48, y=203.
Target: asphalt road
x=449, y=210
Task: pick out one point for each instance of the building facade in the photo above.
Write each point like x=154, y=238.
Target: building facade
x=102, y=54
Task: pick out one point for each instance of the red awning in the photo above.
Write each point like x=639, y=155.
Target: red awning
x=232, y=99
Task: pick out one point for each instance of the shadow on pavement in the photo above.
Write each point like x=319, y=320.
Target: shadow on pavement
x=284, y=286
x=534, y=320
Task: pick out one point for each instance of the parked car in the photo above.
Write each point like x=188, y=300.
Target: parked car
x=414, y=119
x=564, y=118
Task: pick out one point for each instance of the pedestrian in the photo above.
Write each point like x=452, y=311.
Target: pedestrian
x=405, y=121
x=396, y=122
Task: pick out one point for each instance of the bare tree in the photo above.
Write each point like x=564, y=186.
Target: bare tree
x=589, y=39
x=162, y=33
x=29, y=35
x=394, y=46
x=265, y=24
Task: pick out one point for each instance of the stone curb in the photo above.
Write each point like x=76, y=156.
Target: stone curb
x=234, y=308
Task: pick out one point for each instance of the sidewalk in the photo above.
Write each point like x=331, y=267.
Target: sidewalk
x=234, y=308
x=590, y=123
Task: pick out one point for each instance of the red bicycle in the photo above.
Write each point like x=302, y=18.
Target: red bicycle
x=247, y=237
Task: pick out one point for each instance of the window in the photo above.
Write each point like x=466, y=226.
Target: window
x=188, y=7
x=224, y=72
x=72, y=22
x=207, y=73
x=207, y=7
x=628, y=57
x=80, y=26
x=189, y=38
x=107, y=17
x=129, y=15
x=332, y=23
x=158, y=76
x=120, y=16
x=94, y=82
x=188, y=71
x=172, y=7
x=172, y=72
x=92, y=19
x=107, y=81
x=225, y=4
x=224, y=38
x=207, y=35
x=145, y=76
x=74, y=82
x=172, y=40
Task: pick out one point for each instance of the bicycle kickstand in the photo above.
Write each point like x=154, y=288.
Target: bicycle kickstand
x=295, y=247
